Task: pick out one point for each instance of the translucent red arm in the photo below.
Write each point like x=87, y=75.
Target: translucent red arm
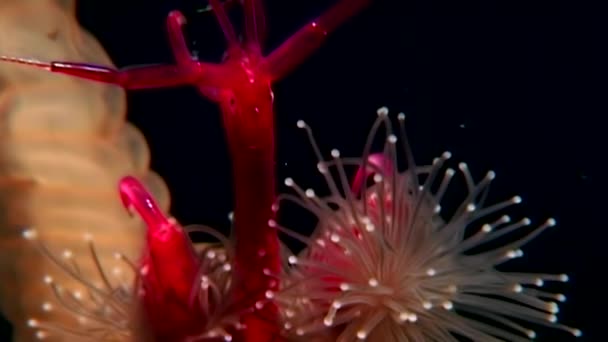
x=225, y=24
x=188, y=71
x=309, y=38
x=181, y=53
x=150, y=76
x=255, y=22
x=168, y=269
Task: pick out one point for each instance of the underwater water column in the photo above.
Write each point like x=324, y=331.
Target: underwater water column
x=64, y=145
x=371, y=219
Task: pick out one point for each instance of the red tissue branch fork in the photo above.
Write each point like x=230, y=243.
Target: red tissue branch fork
x=242, y=86
x=168, y=269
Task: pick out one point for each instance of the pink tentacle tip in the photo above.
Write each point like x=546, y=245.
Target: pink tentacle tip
x=135, y=197
x=176, y=18
x=375, y=162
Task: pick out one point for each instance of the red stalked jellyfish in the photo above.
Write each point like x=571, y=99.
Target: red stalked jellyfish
x=387, y=263
x=241, y=85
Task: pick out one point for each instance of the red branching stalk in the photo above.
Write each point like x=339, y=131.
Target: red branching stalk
x=241, y=85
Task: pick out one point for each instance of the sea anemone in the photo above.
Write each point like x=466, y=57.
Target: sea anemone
x=101, y=309
x=387, y=263
x=109, y=308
